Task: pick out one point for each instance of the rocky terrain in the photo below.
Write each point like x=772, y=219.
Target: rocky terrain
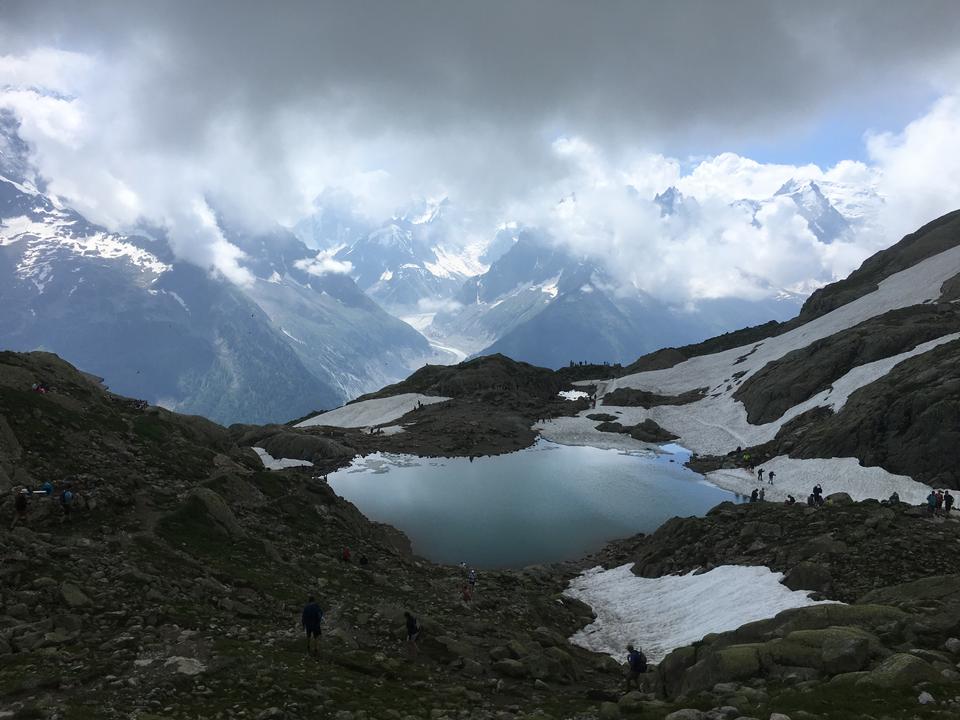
x=175, y=592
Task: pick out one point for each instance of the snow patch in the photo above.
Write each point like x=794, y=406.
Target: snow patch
x=661, y=614
x=370, y=413
x=272, y=463
x=573, y=394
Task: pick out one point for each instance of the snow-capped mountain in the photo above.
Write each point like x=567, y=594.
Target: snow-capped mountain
x=124, y=307
x=406, y=264
x=540, y=304
x=823, y=219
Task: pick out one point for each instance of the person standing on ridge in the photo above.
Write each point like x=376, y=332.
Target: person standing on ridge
x=310, y=619
x=760, y=474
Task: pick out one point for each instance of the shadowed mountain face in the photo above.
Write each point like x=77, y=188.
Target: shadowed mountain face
x=123, y=307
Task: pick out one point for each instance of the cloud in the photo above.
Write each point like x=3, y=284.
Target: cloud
x=162, y=111
x=324, y=264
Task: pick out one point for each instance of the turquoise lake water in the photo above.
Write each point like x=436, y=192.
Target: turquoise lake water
x=544, y=504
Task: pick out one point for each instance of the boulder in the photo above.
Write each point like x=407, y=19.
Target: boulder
x=685, y=714
x=735, y=662
x=839, y=498
x=73, y=596
x=899, y=670
x=218, y=510
x=609, y=711
x=808, y=576
x=510, y=668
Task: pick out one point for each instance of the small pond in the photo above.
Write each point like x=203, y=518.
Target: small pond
x=544, y=504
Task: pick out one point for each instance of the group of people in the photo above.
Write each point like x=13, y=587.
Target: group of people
x=312, y=618
x=814, y=499
x=940, y=502
x=24, y=497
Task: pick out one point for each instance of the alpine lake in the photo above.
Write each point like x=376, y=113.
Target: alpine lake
x=545, y=504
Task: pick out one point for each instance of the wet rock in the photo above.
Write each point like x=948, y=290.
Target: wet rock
x=900, y=669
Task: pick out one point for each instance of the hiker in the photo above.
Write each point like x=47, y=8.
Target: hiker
x=791, y=500
x=472, y=579
x=47, y=488
x=811, y=500
x=21, y=503
x=895, y=498
x=310, y=619
x=770, y=476
x=939, y=502
x=931, y=503
x=818, y=495
x=947, y=502
x=465, y=594
x=363, y=560
x=759, y=474
x=754, y=495
x=345, y=554
x=413, y=634
x=66, y=503
x=763, y=494
x=636, y=666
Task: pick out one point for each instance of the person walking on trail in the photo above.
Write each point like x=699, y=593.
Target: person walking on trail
x=947, y=503
x=760, y=474
x=931, y=503
x=770, y=476
x=636, y=666
x=939, y=502
x=763, y=494
x=818, y=495
x=465, y=594
x=345, y=554
x=413, y=634
x=754, y=495
x=472, y=579
x=310, y=619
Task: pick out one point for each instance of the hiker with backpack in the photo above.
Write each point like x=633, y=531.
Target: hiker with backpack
x=311, y=618
x=66, y=503
x=947, y=502
x=636, y=666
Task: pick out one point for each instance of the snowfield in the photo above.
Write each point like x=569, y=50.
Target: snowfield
x=718, y=423
x=661, y=614
x=369, y=413
x=272, y=463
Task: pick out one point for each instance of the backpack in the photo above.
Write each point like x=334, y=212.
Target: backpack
x=637, y=661
x=66, y=497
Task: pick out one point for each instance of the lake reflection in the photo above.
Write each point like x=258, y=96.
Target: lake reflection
x=544, y=504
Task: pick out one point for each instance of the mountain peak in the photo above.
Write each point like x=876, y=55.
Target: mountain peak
x=669, y=200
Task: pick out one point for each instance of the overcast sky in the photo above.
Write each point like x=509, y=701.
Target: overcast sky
x=159, y=110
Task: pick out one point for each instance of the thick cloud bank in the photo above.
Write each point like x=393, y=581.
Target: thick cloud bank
x=562, y=115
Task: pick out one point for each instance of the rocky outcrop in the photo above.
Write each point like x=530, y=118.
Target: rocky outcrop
x=907, y=422
x=933, y=238
x=801, y=374
x=840, y=550
x=630, y=397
